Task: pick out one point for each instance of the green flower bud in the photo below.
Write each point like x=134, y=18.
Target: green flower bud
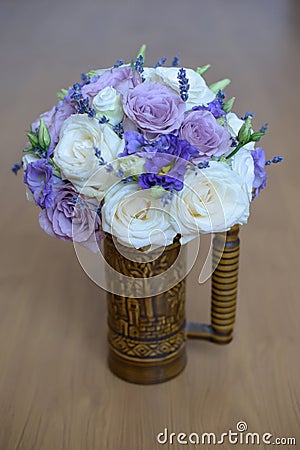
x=255, y=137
x=142, y=52
x=245, y=131
x=157, y=191
x=33, y=139
x=44, y=136
x=229, y=104
x=203, y=69
x=62, y=94
x=219, y=85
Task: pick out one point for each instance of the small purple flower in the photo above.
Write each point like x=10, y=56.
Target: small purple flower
x=215, y=107
x=203, y=132
x=39, y=179
x=148, y=180
x=166, y=143
x=163, y=170
x=72, y=218
x=154, y=108
x=134, y=142
x=261, y=177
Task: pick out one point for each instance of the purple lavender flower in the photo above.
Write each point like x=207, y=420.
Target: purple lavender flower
x=215, y=107
x=201, y=129
x=39, y=179
x=261, y=177
x=72, y=218
x=154, y=108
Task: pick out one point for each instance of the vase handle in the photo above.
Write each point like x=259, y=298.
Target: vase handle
x=224, y=288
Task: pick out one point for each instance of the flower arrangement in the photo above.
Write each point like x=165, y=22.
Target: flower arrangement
x=143, y=153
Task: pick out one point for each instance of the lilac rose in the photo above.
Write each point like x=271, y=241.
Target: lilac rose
x=201, y=129
x=39, y=179
x=122, y=79
x=154, y=108
x=260, y=176
x=55, y=118
x=72, y=218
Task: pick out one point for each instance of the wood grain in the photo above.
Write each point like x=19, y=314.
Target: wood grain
x=56, y=391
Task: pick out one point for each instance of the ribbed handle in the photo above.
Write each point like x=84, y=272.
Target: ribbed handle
x=224, y=288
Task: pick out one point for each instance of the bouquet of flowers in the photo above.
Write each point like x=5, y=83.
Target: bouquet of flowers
x=143, y=153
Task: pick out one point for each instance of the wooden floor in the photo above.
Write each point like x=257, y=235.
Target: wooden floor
x=56, y=392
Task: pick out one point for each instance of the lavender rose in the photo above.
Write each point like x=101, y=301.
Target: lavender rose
x=55, y=118
x=122, y=79
x=72, y=218
x=201, y=129
x=39, y=179
x=260, y=176
x=154, y=108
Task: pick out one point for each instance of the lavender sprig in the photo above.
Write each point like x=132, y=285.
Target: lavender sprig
x=138, y=65
x=160, y=63
x=16, y=167
x=183, y=84
x=175, y=62
x=118, y=63
x=275, y=160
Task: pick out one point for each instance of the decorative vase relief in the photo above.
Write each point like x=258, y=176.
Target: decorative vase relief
x=147, y=334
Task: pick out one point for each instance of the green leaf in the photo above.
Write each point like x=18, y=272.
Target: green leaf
x=229, y=104
x=28, y=150
x=44, y=136
x=221, y=121
x=255, y=137
x=219, y=85
x=203, y=69
x=62, y=94
x=142, y=52
x=245, y=131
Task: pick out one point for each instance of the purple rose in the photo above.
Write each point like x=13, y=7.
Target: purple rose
x=72, y=218
x=201, y=129
x=39, y=179
x=55, y=118
x=154, y=108
x=260, y=176
x=122, y=79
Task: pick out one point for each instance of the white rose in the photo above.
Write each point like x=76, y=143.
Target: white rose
x=198, y=94
x=108, y=103
x=29, y=158
x=243, y=164
x=75, y=153
x=136, y=218
x=211, y=201
x=233, y=124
